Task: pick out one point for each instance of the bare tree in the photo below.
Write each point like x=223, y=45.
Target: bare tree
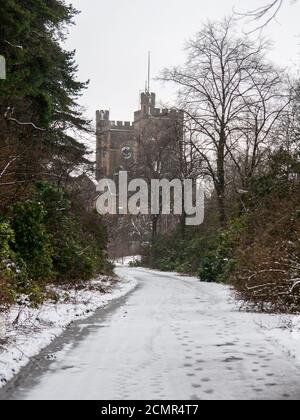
x=264, y=14
x=250, y=143
x=160, y=151
x=223, y=89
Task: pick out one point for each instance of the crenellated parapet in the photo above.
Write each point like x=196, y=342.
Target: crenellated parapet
x=159, y=113
x=104, y=123
x=121, y=125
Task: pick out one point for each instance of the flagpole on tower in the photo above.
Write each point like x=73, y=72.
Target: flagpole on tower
x=149, y=70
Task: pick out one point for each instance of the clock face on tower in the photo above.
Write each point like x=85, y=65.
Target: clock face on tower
x=126, y=152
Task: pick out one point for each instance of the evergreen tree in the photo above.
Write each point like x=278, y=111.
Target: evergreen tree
x=38, y=100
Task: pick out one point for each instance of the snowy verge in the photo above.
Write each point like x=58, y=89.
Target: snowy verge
x=25, y=331
x=287, y=335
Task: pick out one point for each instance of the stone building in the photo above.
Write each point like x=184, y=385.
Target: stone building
x=154, y=136
x=118, y=142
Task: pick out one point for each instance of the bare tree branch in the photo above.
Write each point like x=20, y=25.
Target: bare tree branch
x=264, y=14
x=14, y=120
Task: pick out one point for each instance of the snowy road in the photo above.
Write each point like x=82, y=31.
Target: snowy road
x=172, y=338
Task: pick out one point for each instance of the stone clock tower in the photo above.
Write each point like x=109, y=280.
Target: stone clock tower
x=118, y=141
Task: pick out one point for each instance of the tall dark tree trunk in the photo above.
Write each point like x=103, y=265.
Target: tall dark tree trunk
x=183, y=218
x=221, y=187
x=154, y=227
x=222, y=209
x=183, y=225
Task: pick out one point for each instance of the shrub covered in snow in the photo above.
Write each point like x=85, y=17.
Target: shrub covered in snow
x=8, y=263
x=259, y=249
x=268, y=256
x=49, y=239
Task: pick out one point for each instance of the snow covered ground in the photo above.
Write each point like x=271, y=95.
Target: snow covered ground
x=173, y=338
x=25, y=331
x=285, y=331
x=127, y=260
x=282, y=329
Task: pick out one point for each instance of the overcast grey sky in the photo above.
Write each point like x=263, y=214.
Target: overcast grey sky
x=112, y=39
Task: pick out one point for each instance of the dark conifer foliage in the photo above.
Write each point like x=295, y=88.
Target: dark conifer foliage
x=41, y=127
